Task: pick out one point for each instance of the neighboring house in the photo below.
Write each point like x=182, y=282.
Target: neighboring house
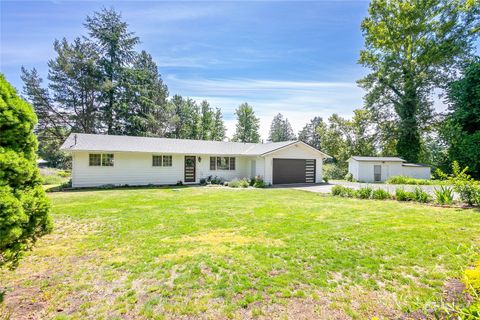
x=376, y=169
x=125, y=160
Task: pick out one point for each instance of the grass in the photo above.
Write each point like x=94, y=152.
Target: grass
x=54, y=177
x=239, y=253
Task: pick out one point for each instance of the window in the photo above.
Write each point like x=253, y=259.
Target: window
x=167, y=161
x=103, y=160
x=222, y=163
x=157, y=161
x=162, y=161
x=107, y=160
x=212, y=163
x=95, y=160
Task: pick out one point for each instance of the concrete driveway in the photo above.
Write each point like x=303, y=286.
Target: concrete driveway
x=327, y=188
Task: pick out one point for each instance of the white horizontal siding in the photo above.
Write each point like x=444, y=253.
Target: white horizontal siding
x=135, y=168
x=417, y=172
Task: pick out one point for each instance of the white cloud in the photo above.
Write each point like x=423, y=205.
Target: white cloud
x=299, y=101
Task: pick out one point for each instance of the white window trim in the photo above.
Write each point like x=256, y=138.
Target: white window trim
x=162, y=156
x=101, y=160
x=229, y=163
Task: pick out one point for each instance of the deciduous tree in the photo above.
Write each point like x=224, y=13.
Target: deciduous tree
x=411, y=48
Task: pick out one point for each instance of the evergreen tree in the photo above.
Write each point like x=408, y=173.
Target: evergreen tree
x=147, y=112
x=115, y=45
x=24, y=207
x=247, y=125
x=281, y=130
x=206, y=121
x=218, y=130
x=309, y=133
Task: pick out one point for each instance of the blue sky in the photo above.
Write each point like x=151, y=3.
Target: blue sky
x=297, y=58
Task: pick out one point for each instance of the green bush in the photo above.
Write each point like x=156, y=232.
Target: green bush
x=343, y=191
x=24, y=207
x=236, y=183
x=259, y=183
x=421, y=196
x=444, y=195
x=349, y=177
x=403, y=195
x=407, y=180
x=380, y=194
x=467, y=188
x=364, y=193
x=325, y=179
x=333, y=171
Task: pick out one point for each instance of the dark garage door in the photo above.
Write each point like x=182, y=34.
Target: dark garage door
x=293, y=171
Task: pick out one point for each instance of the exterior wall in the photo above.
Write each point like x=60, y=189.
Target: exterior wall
x=353, y=168
x=294, y=152
x=365, y=170
x=136, y=169
x=417, y=172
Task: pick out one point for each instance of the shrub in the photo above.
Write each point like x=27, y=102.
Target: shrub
x=407, y=180
x=444, y=195
x=333, y=171
x=259, y=183
x=402, y=195
x=337, y=190
x=349, y=177
x=242, y=183
x=467, y=188
x=364, y=193
x=380, y=194
x=343, y=191
x=24, y=207
x=325, y=179
x=420, y=195
x=203, y=181
x=472, y=279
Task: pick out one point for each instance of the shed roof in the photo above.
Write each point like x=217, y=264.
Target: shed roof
x=389, y=159
x=115, y=143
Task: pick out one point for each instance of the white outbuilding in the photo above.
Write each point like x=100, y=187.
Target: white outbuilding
x=378, y=169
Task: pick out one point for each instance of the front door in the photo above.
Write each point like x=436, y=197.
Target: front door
x=190, y=168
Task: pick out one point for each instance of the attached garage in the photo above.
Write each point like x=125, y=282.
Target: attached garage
x=293, y=171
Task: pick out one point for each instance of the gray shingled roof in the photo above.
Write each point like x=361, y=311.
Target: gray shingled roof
x=391, y=159
x=113, y=143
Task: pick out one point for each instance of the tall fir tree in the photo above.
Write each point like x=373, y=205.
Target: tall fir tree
x=280, y=129
x=247, y=125
x=309, y=133
x=218, y=129
x=116, y=47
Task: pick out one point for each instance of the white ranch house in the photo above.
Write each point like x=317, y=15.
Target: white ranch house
x=125, y=160
x=378, y=169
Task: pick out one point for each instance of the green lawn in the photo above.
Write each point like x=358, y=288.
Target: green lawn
x=217, y=253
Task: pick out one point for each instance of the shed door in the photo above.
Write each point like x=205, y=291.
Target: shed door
x=293, y=171
x=377, y=173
